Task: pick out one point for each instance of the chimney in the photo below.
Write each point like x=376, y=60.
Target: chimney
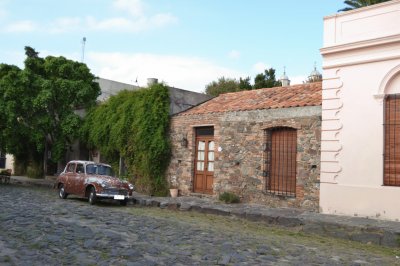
x=151, y=81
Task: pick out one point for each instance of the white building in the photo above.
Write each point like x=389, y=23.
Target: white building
x=360, y=159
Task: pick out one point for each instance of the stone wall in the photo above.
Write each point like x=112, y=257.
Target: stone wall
x=239, y=165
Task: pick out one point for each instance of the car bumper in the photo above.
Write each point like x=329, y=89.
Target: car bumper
x=113, y=196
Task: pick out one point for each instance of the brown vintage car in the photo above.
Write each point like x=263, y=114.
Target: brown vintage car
x=93, y=181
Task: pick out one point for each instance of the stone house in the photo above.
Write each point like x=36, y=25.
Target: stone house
x=360, y=159
x=263, y=145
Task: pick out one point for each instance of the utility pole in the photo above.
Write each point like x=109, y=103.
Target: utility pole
x=83, y=49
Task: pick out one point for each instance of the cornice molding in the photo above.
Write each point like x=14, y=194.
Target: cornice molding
x=360, y=44
x=363, y=9
x=360, y=62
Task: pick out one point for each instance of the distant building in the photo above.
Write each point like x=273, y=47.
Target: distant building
x=180, y=99
x=284, y=79
x=314, y=76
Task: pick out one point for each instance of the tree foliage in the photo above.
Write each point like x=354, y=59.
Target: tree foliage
x=223, y=85
x=38, y=105
x=266, y=79
x=354, y=4
x=134, y=125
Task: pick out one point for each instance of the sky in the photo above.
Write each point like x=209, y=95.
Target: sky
x=185, y=43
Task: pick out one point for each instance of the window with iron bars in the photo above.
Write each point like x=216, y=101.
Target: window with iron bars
x=391, y=156
x=280, y=148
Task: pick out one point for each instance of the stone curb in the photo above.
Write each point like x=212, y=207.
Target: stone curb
x=364, y=230
x=32, y=182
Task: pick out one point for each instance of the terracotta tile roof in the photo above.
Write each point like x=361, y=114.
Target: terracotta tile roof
x=270, y=98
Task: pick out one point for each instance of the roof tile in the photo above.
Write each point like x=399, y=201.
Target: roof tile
x=309, y=94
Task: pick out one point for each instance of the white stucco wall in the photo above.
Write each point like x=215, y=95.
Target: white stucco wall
x=361, y=62
x=10, y=162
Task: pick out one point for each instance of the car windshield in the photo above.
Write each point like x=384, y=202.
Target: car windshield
x=99, y=169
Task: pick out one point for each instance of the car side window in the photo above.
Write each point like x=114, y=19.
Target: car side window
x=91, y=169
x=71, y=168
x=80, y=169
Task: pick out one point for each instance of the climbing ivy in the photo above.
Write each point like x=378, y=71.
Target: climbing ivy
x=134, y=125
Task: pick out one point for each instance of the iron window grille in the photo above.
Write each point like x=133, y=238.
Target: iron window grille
x=391, y=155
x=280, y=148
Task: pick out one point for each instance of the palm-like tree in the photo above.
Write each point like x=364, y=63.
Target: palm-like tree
x=354, y=4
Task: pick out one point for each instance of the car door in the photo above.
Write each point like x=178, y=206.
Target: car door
x=80, y=179
x=69, y=177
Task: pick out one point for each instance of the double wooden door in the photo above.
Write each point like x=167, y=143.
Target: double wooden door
x=204, y=165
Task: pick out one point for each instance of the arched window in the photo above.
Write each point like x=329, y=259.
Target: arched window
x=392, y=140
x=280, y=160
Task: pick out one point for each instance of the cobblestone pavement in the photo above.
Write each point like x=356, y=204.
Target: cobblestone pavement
x=38, y=228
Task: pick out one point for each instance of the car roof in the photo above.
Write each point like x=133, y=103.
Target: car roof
x=88, y=162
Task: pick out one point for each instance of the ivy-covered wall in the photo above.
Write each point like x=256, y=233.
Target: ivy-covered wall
x=134, y=125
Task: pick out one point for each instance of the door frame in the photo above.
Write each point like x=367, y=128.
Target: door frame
x=207, y=139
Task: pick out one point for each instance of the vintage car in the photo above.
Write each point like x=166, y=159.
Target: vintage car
x=93, y=181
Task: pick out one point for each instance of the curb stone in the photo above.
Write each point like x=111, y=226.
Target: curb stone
x=364, y=230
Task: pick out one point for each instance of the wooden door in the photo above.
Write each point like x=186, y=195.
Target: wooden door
x=283, y=161
x=204, y=165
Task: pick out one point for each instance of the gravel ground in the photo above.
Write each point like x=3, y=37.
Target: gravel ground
x=38, y=228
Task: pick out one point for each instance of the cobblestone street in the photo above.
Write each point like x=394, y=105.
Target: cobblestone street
x=38, y=228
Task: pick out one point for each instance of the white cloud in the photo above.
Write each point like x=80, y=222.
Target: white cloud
x=297, y=79
x=129, y=25
x=65, y=24
x=189, y=73
x=136, y=20
x=109, y=24
x=134, y=7
x=161, y=20
x=260, y=67
x=234, y=54
x=21, y=26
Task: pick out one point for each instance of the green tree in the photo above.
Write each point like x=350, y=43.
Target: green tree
x=223, y=85
x=354, y=4
x=40, y=103
x=266, y=80
x=244, y=84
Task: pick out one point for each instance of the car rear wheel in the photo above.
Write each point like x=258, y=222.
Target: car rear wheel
x=61, y=192
x=92, y=196
x=123, y=202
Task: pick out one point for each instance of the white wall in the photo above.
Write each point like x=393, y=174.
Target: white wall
x=361, y=62
x=10, y=162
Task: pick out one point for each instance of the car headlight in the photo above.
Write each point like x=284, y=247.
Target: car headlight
x=131, y=187
x=104, y=184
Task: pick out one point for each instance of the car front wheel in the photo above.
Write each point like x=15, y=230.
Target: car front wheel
x=92, y=196
x=61, y=193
